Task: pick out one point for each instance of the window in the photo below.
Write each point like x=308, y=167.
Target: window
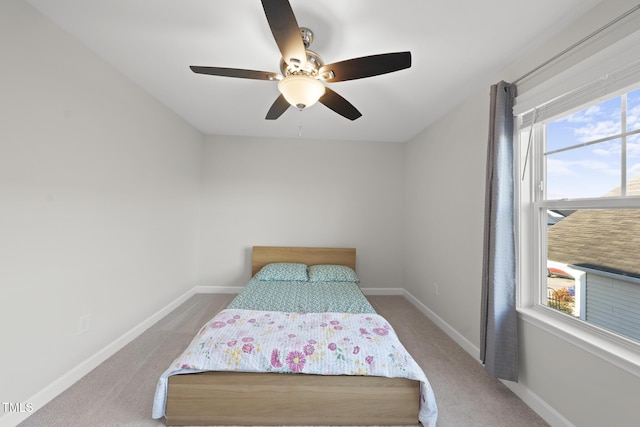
x=586, y=202
x=579, y=207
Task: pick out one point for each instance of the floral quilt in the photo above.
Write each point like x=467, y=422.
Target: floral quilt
x=306, y=343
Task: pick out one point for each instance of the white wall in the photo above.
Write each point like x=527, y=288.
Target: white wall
x=445, y=180
x=445, y=204
x=99, y=192
x=301, y=193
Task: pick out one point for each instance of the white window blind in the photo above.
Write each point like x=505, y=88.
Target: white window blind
x=610, y=84
x=606, y=74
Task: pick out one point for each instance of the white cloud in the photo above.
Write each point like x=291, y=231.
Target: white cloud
x=597, y=130
x=633, y=170
x=633, y=147
x=556, y=167
x=602, y=120
x=584, y=116
x=594, y=167
x=601, y=152
x=633, y=118
x=559, y=168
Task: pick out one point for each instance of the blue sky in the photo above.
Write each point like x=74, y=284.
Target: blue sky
x=594, y=170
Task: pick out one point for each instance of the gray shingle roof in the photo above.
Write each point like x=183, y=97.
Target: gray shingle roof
x=601, y=239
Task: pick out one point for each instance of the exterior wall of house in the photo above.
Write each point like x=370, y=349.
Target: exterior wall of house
x=613, y=303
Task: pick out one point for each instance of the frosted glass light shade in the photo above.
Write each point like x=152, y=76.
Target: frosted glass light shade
x=301, y=91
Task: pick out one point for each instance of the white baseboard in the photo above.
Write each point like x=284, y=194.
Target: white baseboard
x=47, y=394
x=453, y=334
x=382, y=291
x=539, y=406
x=202, y=289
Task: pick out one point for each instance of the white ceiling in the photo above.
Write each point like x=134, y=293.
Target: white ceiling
x=456, y=46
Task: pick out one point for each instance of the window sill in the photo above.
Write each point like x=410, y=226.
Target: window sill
x=621, y=352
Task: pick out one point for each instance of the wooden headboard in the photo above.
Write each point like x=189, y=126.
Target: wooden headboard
x=263, y=255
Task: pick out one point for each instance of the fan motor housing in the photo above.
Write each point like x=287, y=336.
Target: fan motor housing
x=307, y=36
x=313, y=64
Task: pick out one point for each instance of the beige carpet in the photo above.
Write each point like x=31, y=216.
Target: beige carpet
x=120, y=391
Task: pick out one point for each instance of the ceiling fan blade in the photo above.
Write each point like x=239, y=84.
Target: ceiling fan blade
x=235, y=72
x=286, y=31
x=366, y=66
x=340, y=105
x=278, y=107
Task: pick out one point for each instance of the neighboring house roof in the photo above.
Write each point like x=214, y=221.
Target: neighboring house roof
x=580, y=238
x=554, y=217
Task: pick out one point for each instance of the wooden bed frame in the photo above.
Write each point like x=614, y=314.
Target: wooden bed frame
x=240, y=398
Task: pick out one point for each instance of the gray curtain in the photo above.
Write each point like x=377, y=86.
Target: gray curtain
x=499, y=328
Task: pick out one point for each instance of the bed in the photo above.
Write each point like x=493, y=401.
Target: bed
x=292, y=352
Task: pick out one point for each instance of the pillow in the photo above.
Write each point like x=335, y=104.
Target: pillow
x=283, y=271
x=332, y=273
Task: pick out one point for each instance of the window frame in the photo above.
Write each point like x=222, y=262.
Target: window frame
x=531, y=225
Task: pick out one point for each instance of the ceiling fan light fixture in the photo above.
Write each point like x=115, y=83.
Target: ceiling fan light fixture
x=303, y=72
x=301, y=91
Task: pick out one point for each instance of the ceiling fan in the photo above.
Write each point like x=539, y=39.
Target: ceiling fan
x=303, y=71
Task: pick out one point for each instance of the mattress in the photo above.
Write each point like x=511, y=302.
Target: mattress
x=302, y=297
x=299, y=343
